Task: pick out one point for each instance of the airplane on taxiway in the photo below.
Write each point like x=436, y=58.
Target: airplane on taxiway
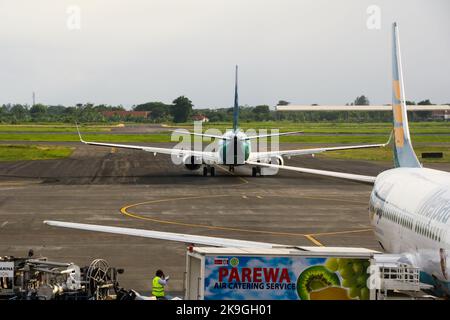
x=233, y=149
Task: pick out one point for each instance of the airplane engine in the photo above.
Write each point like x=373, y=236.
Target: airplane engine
x=192, y=163
x=278, y=160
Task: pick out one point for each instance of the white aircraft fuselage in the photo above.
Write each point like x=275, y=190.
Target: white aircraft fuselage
x=234, y=149
x=410, y=212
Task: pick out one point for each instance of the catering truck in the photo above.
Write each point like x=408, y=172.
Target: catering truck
x=284, y=273
x=299, y=273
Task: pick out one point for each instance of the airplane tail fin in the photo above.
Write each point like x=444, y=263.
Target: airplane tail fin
x=404, y=155
x=236, y=103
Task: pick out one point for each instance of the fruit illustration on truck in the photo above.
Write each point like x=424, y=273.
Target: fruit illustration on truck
x=337, y=279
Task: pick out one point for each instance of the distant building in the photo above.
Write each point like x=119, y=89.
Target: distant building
x=440, y=115
x=125, y=114
x=200, y=117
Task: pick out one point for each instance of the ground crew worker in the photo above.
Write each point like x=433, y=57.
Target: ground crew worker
x=158, y=284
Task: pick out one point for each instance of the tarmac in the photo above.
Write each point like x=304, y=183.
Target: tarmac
x=135, y=189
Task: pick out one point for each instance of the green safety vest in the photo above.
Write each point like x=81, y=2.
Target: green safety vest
x=157, y=288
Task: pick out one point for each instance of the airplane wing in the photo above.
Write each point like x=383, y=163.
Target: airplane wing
x=262, y=156
x=178, y=237
x=341, y=175
x=211, y=156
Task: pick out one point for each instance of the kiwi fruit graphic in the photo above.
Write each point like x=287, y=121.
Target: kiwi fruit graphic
x=354, y=275
x=315, y=278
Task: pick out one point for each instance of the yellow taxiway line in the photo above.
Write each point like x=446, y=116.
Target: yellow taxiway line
x=313, y=240
x=311, y=236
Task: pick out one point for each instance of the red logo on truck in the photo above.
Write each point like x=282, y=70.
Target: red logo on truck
x=278, y=275
x=223, y=262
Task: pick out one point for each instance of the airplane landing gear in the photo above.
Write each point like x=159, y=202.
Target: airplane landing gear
x=210, y=169
x=256, y=171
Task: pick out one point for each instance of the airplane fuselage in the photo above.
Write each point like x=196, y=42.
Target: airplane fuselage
x=234, y=149
x=410, y=212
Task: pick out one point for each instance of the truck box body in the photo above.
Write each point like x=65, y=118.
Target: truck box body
x=285, y=273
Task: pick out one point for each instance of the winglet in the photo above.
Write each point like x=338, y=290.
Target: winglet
x=79, y=134
x=389, y=140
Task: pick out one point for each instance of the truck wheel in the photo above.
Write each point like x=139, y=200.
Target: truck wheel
x=213, y=171
x=205, y=171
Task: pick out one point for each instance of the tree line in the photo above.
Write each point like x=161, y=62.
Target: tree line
x=181, y=110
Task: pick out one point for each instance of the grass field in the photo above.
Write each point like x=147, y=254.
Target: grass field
x=165, y=137
x=426, y=136
x=283, y=126
x=52, y=128
x=327, y=127
x=33, y=152
x=385, y=154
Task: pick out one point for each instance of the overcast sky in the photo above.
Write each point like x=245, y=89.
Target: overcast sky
x=303, y=51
